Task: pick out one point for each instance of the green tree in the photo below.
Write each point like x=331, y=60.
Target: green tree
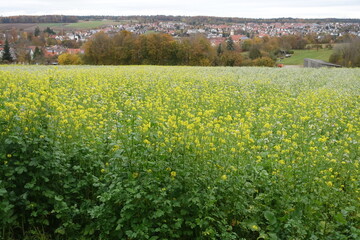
x=38, y=56
x=219, y=50
x=246, y=45
x=49, y=31
x=123, y=44
x=6, y=57
x=69, y=59
x=70, y=43
x=201, y=52
x=254, y=53
x=38, y=52
x=231, y=58
x=230, y=44
x=98, y=50
x=347, y=54
x=37, y=32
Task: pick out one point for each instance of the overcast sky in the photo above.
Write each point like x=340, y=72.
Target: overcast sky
x=228, y=8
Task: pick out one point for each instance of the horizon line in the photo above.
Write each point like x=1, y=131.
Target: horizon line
x=170, y=15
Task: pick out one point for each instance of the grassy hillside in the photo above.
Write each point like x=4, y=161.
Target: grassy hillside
x=298, y=57
x=150, y=152
x=89, y=24
x=81, y=25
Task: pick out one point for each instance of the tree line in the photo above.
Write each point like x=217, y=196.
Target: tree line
x=347, y=54
x=126, y=48
x=39, y=19
x=154, y=49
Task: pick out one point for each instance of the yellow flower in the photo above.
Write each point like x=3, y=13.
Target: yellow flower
x=329, y=183
x=173, y=174
x=135, y=175
x=224, y=177
x=9, y=155
x=267, y=125
x=255, y=227
x=277, y=148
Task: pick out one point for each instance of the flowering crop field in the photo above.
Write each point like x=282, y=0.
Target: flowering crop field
x=146, y=152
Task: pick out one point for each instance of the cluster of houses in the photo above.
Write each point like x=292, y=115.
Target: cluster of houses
x=180, y=29
x=281, y=29
x=47, y=52
x=215, y=33
x=58, y=50
x=252, y=29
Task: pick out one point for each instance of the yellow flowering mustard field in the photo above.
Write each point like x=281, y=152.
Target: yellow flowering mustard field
x=147, y=152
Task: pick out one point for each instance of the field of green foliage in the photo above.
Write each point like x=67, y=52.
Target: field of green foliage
x=179, y=153
x=78, y=25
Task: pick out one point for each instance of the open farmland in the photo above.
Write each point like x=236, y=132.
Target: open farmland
x=179, y=153
x=299, y=55
x=81, y=25
x=89, y=24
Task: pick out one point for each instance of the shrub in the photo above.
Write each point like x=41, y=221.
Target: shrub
x=264, y=61
x=69, y=59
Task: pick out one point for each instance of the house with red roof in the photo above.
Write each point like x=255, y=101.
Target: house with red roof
x=74, y=50
x=216, y=41
x=261, y=35
x=238, y=38
x=54, y=51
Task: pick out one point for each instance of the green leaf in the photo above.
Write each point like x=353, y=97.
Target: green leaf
x=89, y=230
x=2, y=191
x=29, y=185
x=158, y=213
x=270, y=217
x=262, y=236
x=273, y=236
x=20, y=169
x=60, y=230
x=59, y=198
x=131, y=190
x=340, y=218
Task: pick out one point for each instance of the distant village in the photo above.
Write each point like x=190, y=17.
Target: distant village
x=24, y=47
x=237, y=31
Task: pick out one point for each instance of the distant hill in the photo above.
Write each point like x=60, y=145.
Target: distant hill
x=194, y=20
x=39, y=19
